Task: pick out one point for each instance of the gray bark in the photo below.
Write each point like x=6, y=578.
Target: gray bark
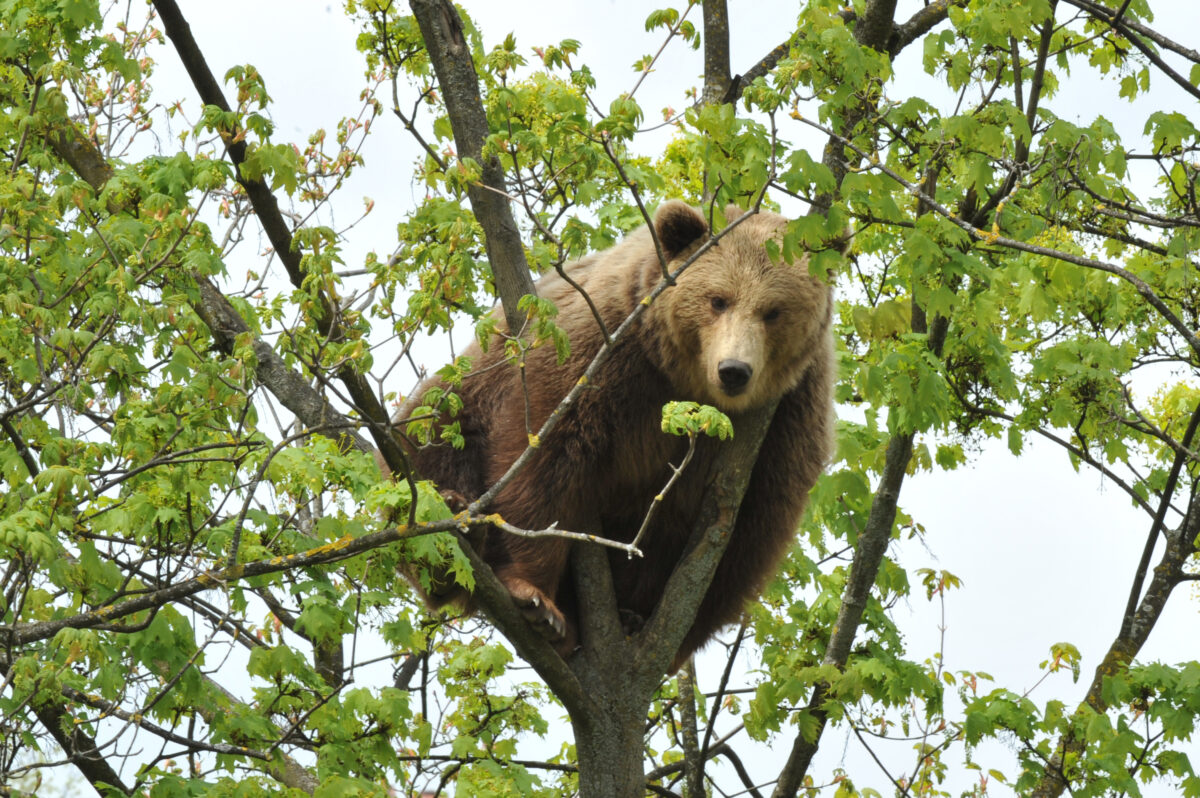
x=717, y=80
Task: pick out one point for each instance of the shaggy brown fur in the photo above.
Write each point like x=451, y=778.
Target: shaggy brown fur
x=735, y=332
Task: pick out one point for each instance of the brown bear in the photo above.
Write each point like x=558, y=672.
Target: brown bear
x=736, y=331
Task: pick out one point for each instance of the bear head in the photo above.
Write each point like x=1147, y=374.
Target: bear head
x=738, y=329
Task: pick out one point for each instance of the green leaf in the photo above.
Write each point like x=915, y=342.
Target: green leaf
x=692, y=418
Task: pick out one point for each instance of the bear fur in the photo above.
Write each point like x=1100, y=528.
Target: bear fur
x=736, y=331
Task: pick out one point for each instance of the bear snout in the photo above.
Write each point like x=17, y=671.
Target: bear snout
x=734, y=374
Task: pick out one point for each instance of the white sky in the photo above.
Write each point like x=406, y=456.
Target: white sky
x=1046, y=555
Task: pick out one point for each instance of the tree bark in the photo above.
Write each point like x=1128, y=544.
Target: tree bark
x=919, y=24
x=693, y=757
x=608, y=743
x=717, y=78
x=609, y=725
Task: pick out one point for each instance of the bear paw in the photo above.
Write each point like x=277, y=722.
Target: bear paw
x=540, y=610
x=455, y=501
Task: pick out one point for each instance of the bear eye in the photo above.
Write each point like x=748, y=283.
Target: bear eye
x=719, y=304
x=771, y=315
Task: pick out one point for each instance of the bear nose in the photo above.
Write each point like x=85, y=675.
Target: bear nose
x=734, y=375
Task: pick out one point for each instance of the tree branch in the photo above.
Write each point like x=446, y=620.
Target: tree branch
x=290, y=773
x=80, y=748
x=868, y=555
x=872, y=30
x=293, y=391
x=659, y=641
x=1140, y=285
x=901, y=36
x=1125, y=646
x=600, y=624
x=335, y=551
x=1182, y=456
x=441, y=28
x=717, y=81
x=693, y=757
x=1105, y=14
x=919, y=24
x=223, y=320
x=266, y=208
x=504, y=615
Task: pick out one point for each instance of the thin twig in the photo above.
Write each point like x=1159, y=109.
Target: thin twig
x=676, y=473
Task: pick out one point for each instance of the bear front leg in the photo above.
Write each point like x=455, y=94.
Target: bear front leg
x=541, y=611
x=532, y=575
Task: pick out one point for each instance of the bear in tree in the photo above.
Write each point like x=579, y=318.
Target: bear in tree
x=737, y=331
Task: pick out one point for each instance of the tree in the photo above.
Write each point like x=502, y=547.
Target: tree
x=201, y=590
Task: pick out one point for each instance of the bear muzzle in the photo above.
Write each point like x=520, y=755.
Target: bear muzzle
x=734, y=375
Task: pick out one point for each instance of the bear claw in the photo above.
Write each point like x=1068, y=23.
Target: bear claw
x=539, y=611
x=549, y=623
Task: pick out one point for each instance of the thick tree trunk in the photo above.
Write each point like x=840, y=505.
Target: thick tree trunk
x=609, y=722
x=608, y=743
x=717, y=76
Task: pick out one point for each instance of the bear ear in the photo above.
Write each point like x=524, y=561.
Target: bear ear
x=678, y=225
x=733, y=213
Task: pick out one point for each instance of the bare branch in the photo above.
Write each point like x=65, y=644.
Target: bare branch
x=335, y=551
x=79, y=747
x=676, y=472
